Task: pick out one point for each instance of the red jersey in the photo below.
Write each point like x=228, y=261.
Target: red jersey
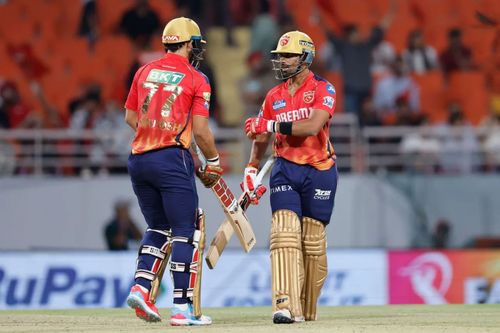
x=314, y=93
x=166, y=93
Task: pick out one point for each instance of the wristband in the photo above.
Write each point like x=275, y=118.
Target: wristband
x=286, y=128
x=271, y=126
x=213, y=160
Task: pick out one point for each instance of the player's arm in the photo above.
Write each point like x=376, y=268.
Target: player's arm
x=259, y=147
x=131, y=118
x=307, y=127
x=204, y=137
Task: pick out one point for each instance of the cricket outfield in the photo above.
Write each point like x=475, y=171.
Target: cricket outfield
x=401, y=318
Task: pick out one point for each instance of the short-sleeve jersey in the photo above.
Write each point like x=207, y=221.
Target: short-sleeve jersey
x=314, y=93
x=166, y=93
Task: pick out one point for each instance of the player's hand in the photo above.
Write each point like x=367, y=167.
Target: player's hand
x=209, y=175
x=249, y=179
x=257, y=194
x=258, y=125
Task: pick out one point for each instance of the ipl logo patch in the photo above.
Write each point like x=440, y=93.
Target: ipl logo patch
x=308, y=96
x=284, y=40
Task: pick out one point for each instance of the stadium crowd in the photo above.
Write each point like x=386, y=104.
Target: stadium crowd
x=393, y=63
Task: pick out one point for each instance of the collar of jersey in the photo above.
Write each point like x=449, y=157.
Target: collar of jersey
x=176, y=56
x=304, y=83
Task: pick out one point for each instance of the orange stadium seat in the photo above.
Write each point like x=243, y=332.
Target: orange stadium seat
x=166, y=9
x=432, y=96
x=110, y=13
x=480, y=41
x=469, y=89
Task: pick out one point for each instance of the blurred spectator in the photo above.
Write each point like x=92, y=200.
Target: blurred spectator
x=419, y=57
x=121, y=230
x=457, y=56
x=139, y=23
x=420, y=151
x=396, y=95
x=14, y=113
x=356, y=58
x=85, y=109
x=113, y=147
x=383, y=56
x=256, y=84
x=459, y=143
x=441, y=234
x=369, y=116
x=265, y=31
x=88, y=27
x=491, y=144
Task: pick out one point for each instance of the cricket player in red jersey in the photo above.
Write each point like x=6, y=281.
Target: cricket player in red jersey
x=303, y=180
x=168, y=102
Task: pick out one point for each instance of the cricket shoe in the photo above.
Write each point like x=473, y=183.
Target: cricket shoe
x=284, y=316
x=182, y=315
x=138, y=299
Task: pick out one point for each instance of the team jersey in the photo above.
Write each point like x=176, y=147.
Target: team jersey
x=166, y=93
x=314, y=93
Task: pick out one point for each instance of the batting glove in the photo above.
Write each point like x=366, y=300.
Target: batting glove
x=211, y=174
x=249, y=179
x=258, y=125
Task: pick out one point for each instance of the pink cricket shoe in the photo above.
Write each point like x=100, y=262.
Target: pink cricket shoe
x=138, y=299
x=182, y=315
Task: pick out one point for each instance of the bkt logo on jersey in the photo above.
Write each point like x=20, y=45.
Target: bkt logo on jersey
x=330, y=89
x=167, y=77
x=328, y=101
x=279, y=104
x=322, y=194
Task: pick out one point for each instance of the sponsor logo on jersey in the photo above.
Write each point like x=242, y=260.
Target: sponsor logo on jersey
x=170, y=38
x=167, y=77
x=330, y=89
x=322, y=194
x=302, y=113
x=206, y=105
x=281, y=188
x=309, y=96
x=279, y=104
x=284, y=40
x=206, y=96
x=328, y=101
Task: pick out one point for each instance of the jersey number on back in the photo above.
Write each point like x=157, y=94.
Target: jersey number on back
x=167, y=106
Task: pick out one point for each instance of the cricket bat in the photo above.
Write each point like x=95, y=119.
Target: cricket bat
x=225, y=231
x=233, y=211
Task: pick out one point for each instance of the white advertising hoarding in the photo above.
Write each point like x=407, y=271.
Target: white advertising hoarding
x=103, y=279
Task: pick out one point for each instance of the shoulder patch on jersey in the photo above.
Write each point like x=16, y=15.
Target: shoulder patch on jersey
x=168, y=77
x=330, y=88
x=328, y=101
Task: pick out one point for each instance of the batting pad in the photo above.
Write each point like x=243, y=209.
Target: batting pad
x=315, y=264
x=286, y=262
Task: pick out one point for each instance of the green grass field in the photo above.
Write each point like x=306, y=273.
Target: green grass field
x=400, y=319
